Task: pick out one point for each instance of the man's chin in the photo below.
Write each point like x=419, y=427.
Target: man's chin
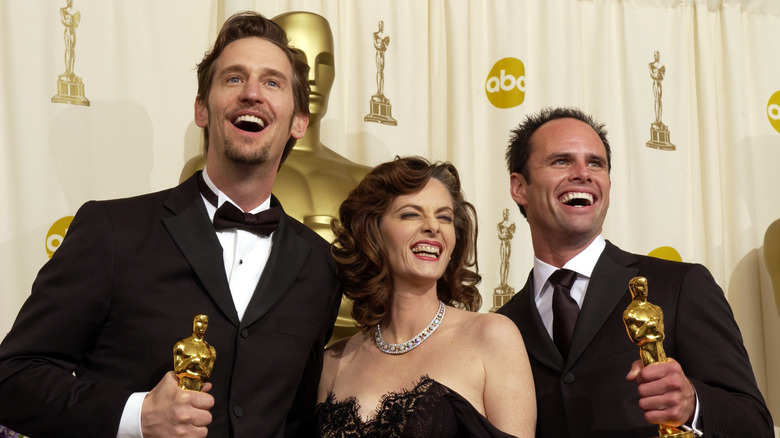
x=245, y=160
x=583, y=230
x=247, y=157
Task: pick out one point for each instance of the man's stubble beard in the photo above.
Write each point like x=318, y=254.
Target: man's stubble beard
x=252, y=157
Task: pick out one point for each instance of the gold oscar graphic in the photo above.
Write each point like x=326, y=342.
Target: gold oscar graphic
x=380, y=105
x=193, y=358
x=659, y=133
x=315, y=180
x=70, y=88
x=503, y=293
x=645, y=325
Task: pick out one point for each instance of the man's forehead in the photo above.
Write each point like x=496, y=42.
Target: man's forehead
x=253, y=49
x=565, y=136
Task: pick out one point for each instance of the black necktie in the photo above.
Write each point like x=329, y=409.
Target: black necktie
x=230, y=216
x=565, y=309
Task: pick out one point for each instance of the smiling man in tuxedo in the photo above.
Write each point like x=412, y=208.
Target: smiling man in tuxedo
x=90, y=352
x=588, y=376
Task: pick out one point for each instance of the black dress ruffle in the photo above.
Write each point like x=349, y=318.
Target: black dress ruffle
x=430, y=409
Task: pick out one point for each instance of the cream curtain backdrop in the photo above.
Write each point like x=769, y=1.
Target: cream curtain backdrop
x=711, y=198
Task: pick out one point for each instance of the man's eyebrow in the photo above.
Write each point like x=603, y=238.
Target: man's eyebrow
x=597, y=157
x=557, y=155
x=233, y=68
x=265, y=71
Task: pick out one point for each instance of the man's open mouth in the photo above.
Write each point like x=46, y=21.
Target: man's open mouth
x=249, y=123
x=577, y=199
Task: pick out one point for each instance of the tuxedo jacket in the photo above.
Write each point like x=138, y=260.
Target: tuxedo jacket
x=588, y=395
x=125, y=285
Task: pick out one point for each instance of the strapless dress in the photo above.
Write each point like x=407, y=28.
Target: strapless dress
x=428, y=410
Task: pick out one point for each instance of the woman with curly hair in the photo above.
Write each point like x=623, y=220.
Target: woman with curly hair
x=426, y=364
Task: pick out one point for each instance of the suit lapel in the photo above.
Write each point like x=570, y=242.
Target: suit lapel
x=288, y=257
x=194, y=234
x=538, y=342
x=608, y=284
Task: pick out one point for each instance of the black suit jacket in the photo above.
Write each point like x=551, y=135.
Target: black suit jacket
x=130, y=275
x=588, y=396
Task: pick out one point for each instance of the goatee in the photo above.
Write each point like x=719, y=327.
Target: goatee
x=252, y=156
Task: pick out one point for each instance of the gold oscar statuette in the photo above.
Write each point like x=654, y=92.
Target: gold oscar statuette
x=193, y=358
x=645, y=325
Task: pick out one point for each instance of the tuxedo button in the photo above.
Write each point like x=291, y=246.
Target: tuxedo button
x=238, y=411
x=244, y=333
x=568, y=378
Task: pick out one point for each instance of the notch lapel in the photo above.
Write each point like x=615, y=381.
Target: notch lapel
x=608, y=284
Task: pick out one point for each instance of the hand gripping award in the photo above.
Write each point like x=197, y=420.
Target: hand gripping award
x=193, y=358
x=645, y=325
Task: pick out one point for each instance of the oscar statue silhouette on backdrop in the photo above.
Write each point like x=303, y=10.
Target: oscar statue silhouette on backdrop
x=314, y=180
x=659, y=133
x=70, y=88
x=503, y=293
x=380, y=108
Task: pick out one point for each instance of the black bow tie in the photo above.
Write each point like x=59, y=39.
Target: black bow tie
x=230, y=216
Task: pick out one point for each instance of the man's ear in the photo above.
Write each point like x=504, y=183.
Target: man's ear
x=201, y=113
x=517, y=188
x=298, y=128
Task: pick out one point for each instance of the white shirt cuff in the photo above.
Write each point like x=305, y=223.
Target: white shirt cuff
x=130, y=423
x=695, y=427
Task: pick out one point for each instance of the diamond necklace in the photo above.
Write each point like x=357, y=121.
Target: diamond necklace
x=411, y=344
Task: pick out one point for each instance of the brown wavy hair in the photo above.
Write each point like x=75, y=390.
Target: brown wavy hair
x=359, y=248
x=248, y=24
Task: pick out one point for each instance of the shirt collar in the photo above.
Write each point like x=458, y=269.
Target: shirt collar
x=583, y=264
x=221, y=197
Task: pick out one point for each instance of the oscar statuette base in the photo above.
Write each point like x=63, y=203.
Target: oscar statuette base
x=501, y=295
x=681, y=434
x=659, y=137
x=70, y=89
x=380, y=111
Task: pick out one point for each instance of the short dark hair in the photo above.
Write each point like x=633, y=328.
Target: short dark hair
x=251, y=24
x=362, y=258
x=519, y=149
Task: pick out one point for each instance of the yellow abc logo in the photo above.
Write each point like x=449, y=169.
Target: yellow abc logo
x=56, y=234
x=505, y=84
x=773, y=110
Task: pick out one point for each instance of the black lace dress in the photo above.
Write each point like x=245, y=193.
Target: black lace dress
x=428, y=410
